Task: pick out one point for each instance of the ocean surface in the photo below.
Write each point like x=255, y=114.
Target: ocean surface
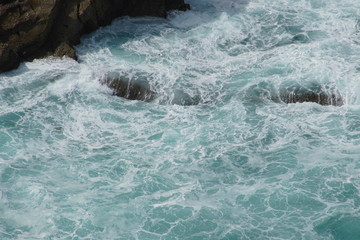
x=214, y=155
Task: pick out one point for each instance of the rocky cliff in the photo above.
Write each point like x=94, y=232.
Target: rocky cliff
x=36, y=28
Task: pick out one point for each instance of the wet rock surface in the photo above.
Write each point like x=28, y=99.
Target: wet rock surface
x=295, y=93
x=137, y=87
x=131, y=89
x=315, y=94
x=319, y=98
x=180, y=97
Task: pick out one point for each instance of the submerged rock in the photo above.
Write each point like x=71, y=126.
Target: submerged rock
x=314, y=94
x=320, y=98
x=301, y=37
x=137, y=87
x=183, y=98
x=131, y=89
x=295, y=93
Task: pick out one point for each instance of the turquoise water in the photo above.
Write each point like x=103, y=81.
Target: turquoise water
x=79, y=163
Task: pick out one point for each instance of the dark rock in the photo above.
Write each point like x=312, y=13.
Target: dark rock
x=152, y=8
x=138, y=88
x=320, y=98
x=64, y=49
x=295, y=93
x=315, y=94
x=142, y=8
x=31, y=28
x=176, y=4
x=8, y=58
x=25, y=25
x=129, y=88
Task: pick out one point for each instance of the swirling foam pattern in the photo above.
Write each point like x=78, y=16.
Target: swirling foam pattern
x=77, y=162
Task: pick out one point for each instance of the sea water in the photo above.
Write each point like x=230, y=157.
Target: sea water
x=212, y=156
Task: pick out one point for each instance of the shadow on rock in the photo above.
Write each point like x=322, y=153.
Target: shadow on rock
x=129, y=88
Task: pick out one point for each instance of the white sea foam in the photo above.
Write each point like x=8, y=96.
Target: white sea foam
x=213, y=155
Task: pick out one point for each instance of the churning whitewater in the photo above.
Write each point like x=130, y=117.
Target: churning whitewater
x=215, y=152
